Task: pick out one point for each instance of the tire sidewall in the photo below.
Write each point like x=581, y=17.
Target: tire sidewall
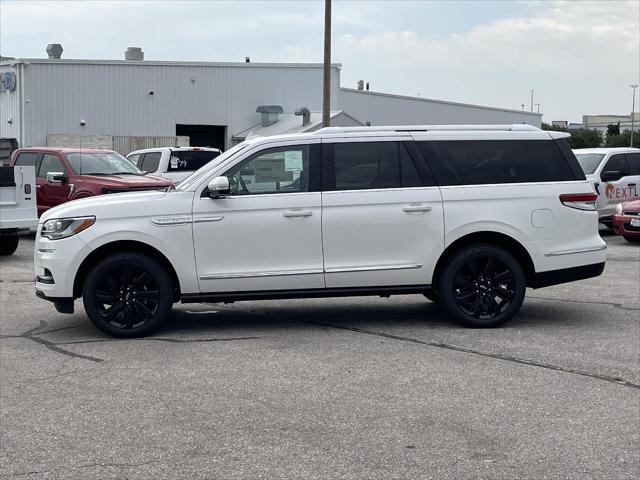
x=445, y=286
x=135, y=259
x=9, y=244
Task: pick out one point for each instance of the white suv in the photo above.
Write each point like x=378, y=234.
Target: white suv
x=467, y=216
x=174, y=163
x=615, y=175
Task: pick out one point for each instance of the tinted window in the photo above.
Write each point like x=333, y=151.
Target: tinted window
x=634, y=163
x=186, y=160
x=617, y=163
x=50, y=163
x=27, y=159
x=109, y=163
x=151, y=161
x=373, y=165
x=589, y=162
x=478, y=162
x=274, y=170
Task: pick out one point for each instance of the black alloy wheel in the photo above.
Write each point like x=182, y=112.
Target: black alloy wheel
x=483, y=286
x=127, y=295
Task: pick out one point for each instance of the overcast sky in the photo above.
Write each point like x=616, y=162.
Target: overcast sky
x=579, y=56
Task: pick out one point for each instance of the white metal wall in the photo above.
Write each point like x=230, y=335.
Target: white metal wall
x=384, y=109
x=113, y=97
x=10, y=107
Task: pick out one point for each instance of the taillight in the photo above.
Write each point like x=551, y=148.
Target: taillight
x=581, y=201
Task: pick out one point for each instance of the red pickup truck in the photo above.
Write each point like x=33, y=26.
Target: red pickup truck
x=64, y=174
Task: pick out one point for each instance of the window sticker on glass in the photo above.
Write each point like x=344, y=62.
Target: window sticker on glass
x=174, y=162
x=293, y=160
x=271, y=170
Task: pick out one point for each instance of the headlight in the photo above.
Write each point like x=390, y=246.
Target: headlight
x=619, y=208
x=58, y=228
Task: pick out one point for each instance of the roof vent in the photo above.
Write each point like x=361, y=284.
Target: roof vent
x=269, y=114
x=306, y=115
x=134, y=53
x=54, y=50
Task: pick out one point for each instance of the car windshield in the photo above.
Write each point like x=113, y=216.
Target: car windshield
x=196, y=176
x=589, y=161
x=107, y=163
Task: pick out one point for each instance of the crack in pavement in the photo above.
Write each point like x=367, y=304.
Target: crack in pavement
x=586, y=302
x=446, y=346
x=159, y=339
x=121, y=466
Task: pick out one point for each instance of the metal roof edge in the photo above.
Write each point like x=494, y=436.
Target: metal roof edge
x=166, y=63
x=408, y=97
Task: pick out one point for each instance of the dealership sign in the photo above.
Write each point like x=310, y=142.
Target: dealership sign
x=7, y=81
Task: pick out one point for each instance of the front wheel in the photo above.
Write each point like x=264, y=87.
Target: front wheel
x=9, y=244
x=127, y=295
x=482, y=286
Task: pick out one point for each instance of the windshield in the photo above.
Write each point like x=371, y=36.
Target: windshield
x=108, y=163
x=589, y=161
x=197, y=176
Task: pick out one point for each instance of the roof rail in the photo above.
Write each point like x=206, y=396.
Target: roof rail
x=518, y=127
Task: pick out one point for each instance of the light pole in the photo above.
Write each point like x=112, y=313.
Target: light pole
x=537, y=105
x=326, y=79
x=532, y=101
x=633, y=113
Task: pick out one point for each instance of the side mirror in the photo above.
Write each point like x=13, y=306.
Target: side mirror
x=610, y=176
x=56, y=177
x=219, y=187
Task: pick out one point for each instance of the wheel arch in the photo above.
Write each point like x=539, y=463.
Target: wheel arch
x=502, y=240
x=121, y=246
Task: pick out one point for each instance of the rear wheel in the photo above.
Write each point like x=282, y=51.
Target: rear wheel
x=127, y=295
x=482, y=286
x=9, y=244
x=631, y=239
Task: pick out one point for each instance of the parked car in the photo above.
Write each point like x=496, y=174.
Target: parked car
x=614, y=173
x=468, y=216
x=626, y=221
x=174, y=163
x=18, y=213
x=64, y=174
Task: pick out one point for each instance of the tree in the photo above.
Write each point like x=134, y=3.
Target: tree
x=622, y=140
x=585, y=138
x=547, y=126
x=613, y=129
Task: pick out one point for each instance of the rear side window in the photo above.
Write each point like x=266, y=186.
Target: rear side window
x=634, y=163
x=618, y=163
x=480, y=162
x=190, y=160
x=150, y=162
x=135, y=159
x=373, y=165
x=27, y=159
x=50, y=163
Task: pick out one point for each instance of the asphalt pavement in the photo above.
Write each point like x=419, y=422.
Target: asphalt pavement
x=348, y=388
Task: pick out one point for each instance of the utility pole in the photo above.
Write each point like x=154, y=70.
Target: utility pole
x=326, y=81
x=633, y=113
x=538, y=105
x=532, y=101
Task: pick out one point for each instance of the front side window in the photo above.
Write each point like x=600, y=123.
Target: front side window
x=27, y=159
x=482, y=162
x=274, y=170
x=151, y=161
x=373, y=165
x=107, y=163
x=617, y=163
x=135, y=158
x=50, y=163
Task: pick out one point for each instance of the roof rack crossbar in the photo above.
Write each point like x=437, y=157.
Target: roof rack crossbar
x=521, y=127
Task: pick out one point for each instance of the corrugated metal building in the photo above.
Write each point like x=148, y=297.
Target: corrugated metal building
x=386, y=109
x=133, y=101
x=207, y=101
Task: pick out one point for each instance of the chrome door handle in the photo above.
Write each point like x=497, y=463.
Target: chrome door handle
x=38, y=186
x=417, y=208
x=297, y=213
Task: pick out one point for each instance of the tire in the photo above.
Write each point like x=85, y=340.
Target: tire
x=432, y=296
x=9, y=244
x=127, y=295
x=631, y=239
x=482, y=286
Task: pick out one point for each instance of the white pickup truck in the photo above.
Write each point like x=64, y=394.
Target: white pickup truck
x=18, y=212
